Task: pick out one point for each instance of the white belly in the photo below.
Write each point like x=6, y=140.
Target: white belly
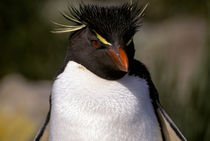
x=86, y=107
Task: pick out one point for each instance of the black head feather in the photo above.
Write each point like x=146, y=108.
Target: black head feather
x=119, y=20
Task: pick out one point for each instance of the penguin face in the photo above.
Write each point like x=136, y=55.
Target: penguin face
x=101, y=38
x=107, y=59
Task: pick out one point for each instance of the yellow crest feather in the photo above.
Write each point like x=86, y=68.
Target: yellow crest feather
x=103, y=40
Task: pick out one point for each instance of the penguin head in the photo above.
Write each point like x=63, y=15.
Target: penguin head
x=102, y=39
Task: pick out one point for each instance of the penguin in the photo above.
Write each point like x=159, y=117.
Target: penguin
x=102, y=93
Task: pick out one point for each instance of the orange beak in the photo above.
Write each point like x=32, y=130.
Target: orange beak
x=119, y=58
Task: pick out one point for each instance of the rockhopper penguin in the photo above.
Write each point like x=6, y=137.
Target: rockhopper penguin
x=102, y=93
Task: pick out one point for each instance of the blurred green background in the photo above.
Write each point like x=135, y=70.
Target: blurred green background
x=174, y=43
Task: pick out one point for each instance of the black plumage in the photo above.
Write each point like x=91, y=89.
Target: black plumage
x=117, y=24
x=120, y=20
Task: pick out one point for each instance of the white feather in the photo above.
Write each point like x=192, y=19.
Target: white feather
x=86, y=107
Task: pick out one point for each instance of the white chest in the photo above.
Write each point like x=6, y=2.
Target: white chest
x=86, y=107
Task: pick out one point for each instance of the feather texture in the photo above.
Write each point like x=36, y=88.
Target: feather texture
x=120, y=19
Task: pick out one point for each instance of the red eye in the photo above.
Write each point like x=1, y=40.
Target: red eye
x=95, y=43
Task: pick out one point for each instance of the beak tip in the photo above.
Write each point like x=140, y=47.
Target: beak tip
x=123, y=67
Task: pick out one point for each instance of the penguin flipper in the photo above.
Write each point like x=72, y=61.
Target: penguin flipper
x=169, y=129
x=43, y=133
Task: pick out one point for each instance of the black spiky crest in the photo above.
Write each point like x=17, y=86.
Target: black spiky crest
x=119, y=20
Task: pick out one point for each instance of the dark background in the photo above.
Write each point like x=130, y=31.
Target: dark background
x=174, y=43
